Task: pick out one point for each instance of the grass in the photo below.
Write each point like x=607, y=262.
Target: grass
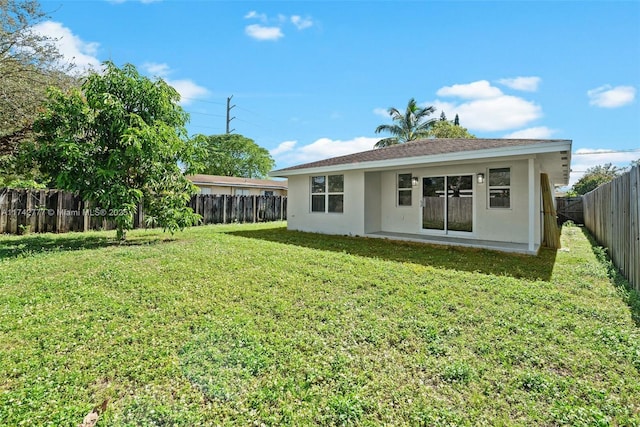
x=257, y=325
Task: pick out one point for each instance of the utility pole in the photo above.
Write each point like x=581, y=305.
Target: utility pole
x=229, y=107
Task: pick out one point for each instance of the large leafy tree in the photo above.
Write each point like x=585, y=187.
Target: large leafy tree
x=413, y=124
x=596, y=176
x=446, y=129
x=119, y=142
x=232, y=155
x=29, y=63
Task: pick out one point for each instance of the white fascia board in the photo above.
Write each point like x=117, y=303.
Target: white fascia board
x=233, y=184
x=522, y=150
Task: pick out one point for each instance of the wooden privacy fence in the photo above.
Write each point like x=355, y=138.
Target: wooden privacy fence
x=612, y=215
x=223, y=209
x=56, y=211
x=570, y=209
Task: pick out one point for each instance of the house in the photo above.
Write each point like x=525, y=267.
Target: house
x=469, y=192
x=235, y=186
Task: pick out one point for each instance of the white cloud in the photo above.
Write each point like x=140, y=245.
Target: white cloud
x=283, y=147
x=382, y=112
x=187, y=89
x=320, y=149
x=159, y=70
x=449, y=109
x=73, y=49
x=527, y=84
x=255, y=15
x=487, y=108
x=584, y=158
x=260, y=32
x=492, y=114
x=301, y=23
x=611, y=97
x=540, y=132
x=273, y=27
x=475, y=90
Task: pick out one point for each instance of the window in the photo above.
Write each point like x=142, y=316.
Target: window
x=243, y=192
x=268, y=193
x=327, y=193
x=500, y=188
x=404, y=189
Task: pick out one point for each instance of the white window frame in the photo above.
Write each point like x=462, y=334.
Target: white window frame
x=326, y=193
x=404, y=189
x=503, y=188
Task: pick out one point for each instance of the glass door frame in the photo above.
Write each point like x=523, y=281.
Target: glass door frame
x=446, y=231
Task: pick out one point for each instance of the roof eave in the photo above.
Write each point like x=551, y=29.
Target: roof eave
x=547, y=147
x=229, y=184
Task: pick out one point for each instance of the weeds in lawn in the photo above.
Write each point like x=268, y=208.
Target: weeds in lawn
x=442, y=257
x=253, y=324
x=627, y=293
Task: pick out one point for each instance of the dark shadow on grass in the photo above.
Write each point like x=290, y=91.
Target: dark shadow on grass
x=630, y=296
x=449, y=257
x=29, y=245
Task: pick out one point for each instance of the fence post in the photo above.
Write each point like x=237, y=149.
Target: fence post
x=4, y=209
x=224, y=209
x=253, y=205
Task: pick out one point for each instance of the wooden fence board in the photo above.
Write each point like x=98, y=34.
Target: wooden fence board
x=570, y=208
x=612, y=215
x=57, y=211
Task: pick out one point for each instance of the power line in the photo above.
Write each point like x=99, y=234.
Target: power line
x=204, y=127
x=202, y=100
x=632, y=150
x=205, y=114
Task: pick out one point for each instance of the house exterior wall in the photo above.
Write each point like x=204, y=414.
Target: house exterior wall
x=504, y=224
x=370, y=203
x=350, y=221
x=233, y=190
x=373, y=203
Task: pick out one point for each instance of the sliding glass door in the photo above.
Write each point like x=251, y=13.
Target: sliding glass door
x=447, y=203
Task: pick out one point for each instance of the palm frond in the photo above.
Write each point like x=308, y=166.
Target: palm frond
x=386, y=142
x=411, y=125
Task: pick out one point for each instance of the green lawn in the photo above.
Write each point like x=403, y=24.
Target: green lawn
x=254, y=324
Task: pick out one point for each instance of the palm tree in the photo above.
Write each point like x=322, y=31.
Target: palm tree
x=411, y=125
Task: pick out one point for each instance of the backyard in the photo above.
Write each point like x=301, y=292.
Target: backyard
x=257, y=325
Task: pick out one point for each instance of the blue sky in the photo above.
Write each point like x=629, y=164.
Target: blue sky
x=313, y=79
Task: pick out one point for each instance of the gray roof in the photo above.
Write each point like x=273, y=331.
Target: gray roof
x=234, y=181
x=425, y=147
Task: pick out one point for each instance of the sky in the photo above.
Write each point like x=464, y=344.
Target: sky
x=313, y=79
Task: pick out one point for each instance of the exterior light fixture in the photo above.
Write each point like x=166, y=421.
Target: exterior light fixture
x=414, y=181
x=480, y=178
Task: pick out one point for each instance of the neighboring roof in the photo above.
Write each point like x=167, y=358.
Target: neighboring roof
x=438, y=150
x=234, y=181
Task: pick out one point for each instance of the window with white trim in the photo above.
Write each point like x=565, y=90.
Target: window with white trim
x=500, y=188
x=404, y=189
x=327, y=193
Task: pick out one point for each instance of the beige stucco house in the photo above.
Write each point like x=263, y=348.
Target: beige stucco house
x=470, y=192
x=234, y=186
